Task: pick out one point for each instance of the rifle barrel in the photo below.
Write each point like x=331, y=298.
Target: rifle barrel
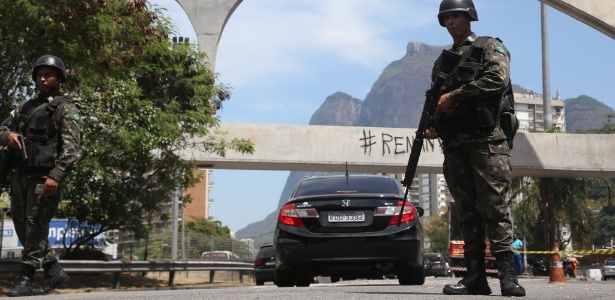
x=449, y=61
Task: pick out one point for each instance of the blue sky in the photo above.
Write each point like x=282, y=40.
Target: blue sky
x=283, y=58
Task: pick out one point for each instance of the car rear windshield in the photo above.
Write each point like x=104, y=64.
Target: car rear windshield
x=354, y=185
x=431, y=257
x=610, y=262
x=265, y=251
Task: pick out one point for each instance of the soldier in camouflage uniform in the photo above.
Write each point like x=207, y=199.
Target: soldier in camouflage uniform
x=476, y=152
x=49, y=125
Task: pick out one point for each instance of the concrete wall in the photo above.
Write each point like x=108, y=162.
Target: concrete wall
x=386, y=150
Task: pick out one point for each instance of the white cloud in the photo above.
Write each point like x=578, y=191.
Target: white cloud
x=268, y=39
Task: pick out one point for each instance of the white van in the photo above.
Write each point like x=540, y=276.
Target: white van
x=219, y=255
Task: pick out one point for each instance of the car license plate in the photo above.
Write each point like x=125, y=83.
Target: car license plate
x=270, y=263
x=346, y=216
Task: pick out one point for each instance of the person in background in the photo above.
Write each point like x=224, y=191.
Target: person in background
x=518, y=246
x=573, y=262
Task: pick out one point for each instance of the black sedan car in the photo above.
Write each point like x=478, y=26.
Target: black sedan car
x=264, y=264
x=435, y=265
x=347, y=227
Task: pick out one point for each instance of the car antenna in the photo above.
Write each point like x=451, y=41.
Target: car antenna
x=346, y=174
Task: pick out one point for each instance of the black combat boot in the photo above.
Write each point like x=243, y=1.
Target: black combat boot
x=54, y=277
x=508, y=279
x=23, y=287
x=475, y=281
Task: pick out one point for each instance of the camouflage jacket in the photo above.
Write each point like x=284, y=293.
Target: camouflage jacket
x=494, y=80
x=66, y=121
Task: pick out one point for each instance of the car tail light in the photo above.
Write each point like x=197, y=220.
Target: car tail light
x=291, y=216
x=258, y=262
x=408, y=215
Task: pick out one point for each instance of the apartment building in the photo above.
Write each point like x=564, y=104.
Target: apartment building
x=201, y=202
x=529, y=108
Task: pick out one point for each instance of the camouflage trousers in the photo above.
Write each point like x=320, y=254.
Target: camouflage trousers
x=478, y=177
x=31, y=214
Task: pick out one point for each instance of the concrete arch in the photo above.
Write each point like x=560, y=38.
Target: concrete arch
x=209, y=17
x=598, y=14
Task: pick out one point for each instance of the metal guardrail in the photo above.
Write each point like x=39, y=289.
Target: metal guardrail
x=581, y=252
x=118, y=267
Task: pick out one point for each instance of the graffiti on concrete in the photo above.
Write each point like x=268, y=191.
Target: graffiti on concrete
x=393, y=145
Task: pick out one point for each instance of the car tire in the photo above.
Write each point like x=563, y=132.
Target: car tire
x=304, y=282
x=335, y=279
x=284, y=279
x=260, y=282
x=411, y=276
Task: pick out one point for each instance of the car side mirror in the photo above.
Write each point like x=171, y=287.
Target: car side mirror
x=420, y=211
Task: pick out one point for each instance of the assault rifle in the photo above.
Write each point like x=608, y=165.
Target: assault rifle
x=448, y=62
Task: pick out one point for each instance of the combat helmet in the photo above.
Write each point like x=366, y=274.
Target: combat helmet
x=466, y=6
x=50, y=61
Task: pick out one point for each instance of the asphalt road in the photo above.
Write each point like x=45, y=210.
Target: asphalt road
x=536, y=287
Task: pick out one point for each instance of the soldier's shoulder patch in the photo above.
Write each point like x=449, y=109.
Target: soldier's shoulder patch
x=75, y=116
x=499, y=47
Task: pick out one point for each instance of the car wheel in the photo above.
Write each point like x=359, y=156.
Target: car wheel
x=260, y=282
x=284, y=279
x=304, y=282
x=335, y=279
x=411, y=276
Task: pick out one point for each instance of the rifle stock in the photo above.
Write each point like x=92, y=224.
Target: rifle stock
x=449, y=61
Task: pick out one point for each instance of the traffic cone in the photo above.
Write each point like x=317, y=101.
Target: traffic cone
x=557, y=267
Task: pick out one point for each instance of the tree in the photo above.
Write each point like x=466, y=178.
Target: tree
x=606, y=228
x=609, y=126
x=207, y=227
x=550, y=203
x=143, y=101
x=436, y=228
x=603, y=190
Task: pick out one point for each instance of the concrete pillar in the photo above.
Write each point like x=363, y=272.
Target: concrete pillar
x=208, y=17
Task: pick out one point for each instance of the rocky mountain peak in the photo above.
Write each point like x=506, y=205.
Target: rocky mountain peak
x=415, y=47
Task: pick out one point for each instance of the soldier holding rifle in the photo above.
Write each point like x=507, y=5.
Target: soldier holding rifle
x=46, y=129
x=476, y=147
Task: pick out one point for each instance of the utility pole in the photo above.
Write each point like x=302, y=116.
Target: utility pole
x=184, y=235
x=2, y=212
x=546, y=81
x=175, y=208
x=174, y=226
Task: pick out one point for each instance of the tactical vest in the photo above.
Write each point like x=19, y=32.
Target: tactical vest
x=40, y=134
x=478, y=117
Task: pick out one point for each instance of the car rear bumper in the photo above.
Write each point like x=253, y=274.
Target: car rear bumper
x=435, y=273
x=263, y=274
x=404, y=249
